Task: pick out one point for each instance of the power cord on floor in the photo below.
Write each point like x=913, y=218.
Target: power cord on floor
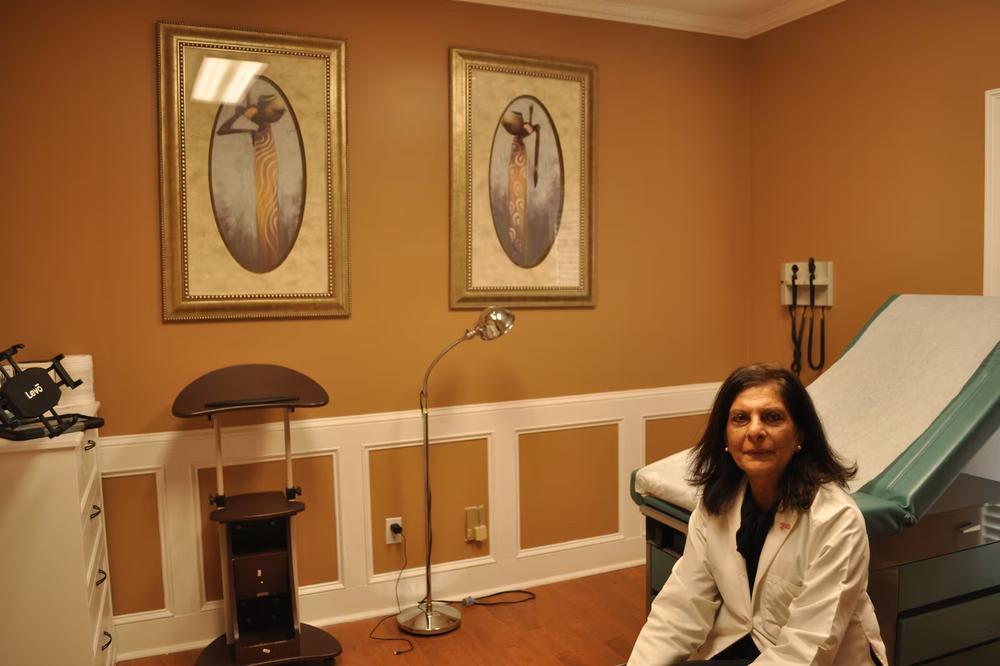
x=473, y=601
x=467, y=601
x=371, y=634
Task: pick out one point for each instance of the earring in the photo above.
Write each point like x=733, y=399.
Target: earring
x=798, y=448
x=726, y=449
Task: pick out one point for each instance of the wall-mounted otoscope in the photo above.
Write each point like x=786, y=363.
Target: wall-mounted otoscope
x=817, y=291
x=796, y=330
x=812, y=316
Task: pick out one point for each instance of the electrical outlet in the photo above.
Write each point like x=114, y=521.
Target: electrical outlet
x=391, y=538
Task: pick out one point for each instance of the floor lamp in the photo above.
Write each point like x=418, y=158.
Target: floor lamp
x=425, y=618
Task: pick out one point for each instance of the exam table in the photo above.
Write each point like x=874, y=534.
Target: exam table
x=912, y=400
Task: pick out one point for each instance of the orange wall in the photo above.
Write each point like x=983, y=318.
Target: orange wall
x=868, y=141
x=81, y=214
x=568, y=486
x=132, y=526
x=667, y=436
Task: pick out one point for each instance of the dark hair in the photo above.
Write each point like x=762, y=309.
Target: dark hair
x=714, y=470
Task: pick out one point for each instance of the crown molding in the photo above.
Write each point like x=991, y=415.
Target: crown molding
x=786, y=13
x=626, y=12
x=662, y=17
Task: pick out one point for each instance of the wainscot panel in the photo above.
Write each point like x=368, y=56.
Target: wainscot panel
x=131, y=509
x=459, y=478
x=344, y=586
x=667, y=435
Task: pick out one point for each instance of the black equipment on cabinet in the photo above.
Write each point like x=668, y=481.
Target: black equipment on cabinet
x=28, y=398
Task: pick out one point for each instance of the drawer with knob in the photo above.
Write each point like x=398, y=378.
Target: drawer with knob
x=261, y=575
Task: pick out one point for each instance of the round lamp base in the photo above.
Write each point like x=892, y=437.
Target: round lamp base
x=424, y=620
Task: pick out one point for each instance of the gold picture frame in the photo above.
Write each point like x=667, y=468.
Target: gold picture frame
x=522, y=212
x=253, y=175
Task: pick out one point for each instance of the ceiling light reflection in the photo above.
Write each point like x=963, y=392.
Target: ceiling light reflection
x=223, y=80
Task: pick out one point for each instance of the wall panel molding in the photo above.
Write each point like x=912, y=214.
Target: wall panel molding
x=620, y=492
x=358, y=594
x=370, y=543
x=157, y=471
x=654, y=420
x=419, y=571
x=569, y=545
x=991, y=226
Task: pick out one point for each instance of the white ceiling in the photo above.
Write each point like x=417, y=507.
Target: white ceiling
x=730, y=18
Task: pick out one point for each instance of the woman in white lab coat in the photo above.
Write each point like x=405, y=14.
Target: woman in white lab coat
x=775, y=568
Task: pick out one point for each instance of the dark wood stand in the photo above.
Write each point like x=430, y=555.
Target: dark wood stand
x=260, y=585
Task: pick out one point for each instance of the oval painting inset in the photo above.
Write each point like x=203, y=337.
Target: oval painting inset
x=526, y=181
x=257, y=177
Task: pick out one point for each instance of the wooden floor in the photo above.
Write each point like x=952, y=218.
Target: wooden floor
x=592, y=620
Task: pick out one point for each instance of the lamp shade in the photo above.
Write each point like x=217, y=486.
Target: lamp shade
x=494, y=322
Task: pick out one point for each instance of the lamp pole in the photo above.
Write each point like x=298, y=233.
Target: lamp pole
x=424, y=618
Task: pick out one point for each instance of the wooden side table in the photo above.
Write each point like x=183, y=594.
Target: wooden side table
x=259, y=581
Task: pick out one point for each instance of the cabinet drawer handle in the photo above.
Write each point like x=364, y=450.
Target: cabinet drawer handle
x=97, y=512
x=108, y=644
x=104, y=575
x=89, y=445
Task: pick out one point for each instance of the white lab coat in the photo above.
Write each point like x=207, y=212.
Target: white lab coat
x=809, y=604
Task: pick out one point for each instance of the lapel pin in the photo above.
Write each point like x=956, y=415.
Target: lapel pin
x=784, y=526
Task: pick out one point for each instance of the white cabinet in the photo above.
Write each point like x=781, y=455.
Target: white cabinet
x=56, y=582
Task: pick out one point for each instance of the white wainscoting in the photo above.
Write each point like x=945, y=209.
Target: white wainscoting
x=188, y=622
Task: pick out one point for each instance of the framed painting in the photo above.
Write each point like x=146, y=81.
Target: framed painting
x=522, y=214
x=253, y=175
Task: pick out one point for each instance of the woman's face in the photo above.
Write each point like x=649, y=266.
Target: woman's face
x=761, y=435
